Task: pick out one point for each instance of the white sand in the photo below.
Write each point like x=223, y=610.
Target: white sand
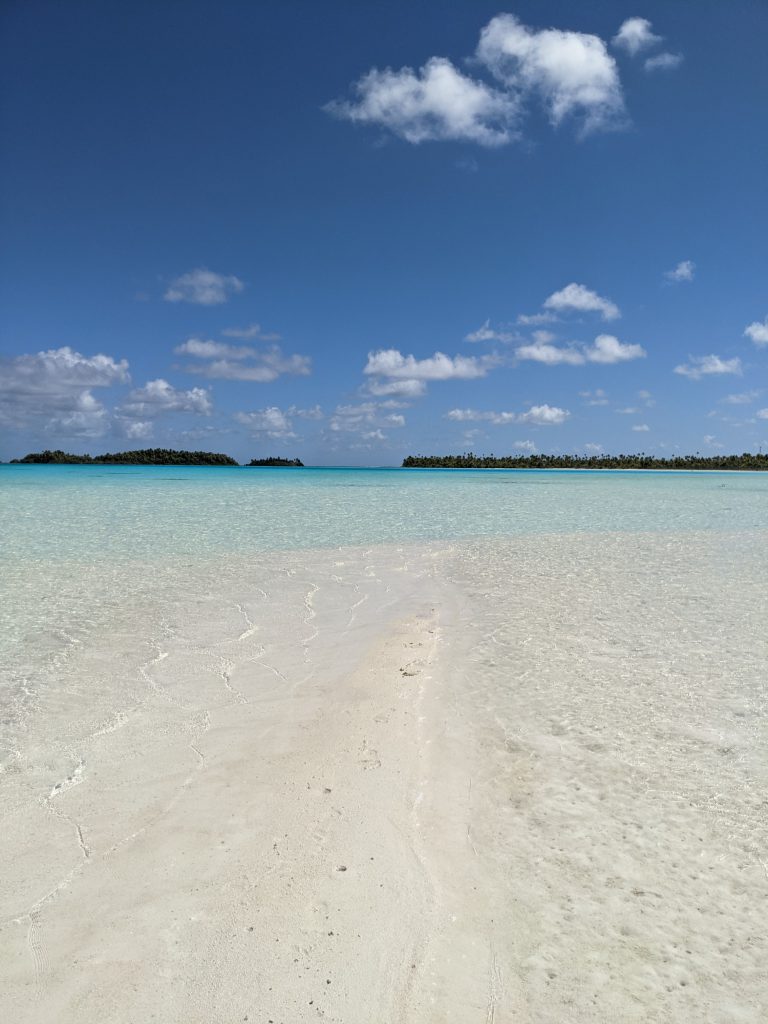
x=500, y=781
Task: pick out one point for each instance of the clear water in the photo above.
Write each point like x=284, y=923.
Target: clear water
x=92, y=513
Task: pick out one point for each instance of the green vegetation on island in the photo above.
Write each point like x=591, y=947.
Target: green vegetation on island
x=276, y=462
x=142, y=457
x=469, y=460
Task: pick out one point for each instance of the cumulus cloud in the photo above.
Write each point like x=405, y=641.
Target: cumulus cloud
x=524, y=446
x=539, y=415
x=528, y=319
x=593, y=446
x=684, y=271
x=52, y=389
x=641, y=428
x=222, y=361
x=158, y=397
x=393, y=364
x=635, y=35
x=137, y=430
x=762, y=414
x=487, y=333
x=663, y=62
x=758, y=332
x=270, y=422
x=365, y=419
x=578, y=298
x=703, y=366
x=571, y=72
x=203, y=288
x=437, y=102
x=605, y=349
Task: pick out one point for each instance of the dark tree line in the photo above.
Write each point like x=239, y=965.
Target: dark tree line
x=142, y=457
x=642, y=461
x=275, y=462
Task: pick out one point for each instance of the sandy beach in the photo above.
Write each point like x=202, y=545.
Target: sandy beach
x=494, y=780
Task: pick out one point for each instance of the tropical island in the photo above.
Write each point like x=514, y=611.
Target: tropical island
x=469, y=460
x=141, y=457
x=276, y=462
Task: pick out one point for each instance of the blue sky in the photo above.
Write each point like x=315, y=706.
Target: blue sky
x=350, y=231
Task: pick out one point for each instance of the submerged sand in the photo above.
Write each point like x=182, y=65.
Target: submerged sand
x=498, y=780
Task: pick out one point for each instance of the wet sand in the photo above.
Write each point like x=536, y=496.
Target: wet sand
x=496, y=780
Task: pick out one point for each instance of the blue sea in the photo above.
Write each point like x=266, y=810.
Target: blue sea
x=92, y=513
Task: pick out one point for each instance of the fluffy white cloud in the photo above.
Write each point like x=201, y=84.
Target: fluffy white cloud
x=572, y=72
x=629, y=410
x=762, y=414
x=313, y=413
x=605, y=349
x=435, y=103
x=365, y=419
x=663, y=62
x=641, y=428
x=758, y=332
x=487, y=333
x=540, y=415
x=703, y=366
x=635, y=35
x=137, y=430
x=271, y=422
x=158, y=397
x=203, y=288
x=576, y=297
x=594, y=447
x=52, y=390
x=242, y=362
x=552, y=355
x=524, y=446
x=392, y=363
x=684, y=271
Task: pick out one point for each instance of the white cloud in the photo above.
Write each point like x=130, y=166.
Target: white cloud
x=137, y=430
x=552, y=355
x=762, y=414
x=635, y=35
x=203, y=288
x=684, y=271
x=365, y=419
x=392, y=363
x=607, y=349
x=242, y=362
x=702, y=366
x=437, y=102
x=250, y=332
x=629, y=410
x=524, y=446
x=597, y=397
x=158, y=397
x=487, y=333
x=664, y=62
x=406, y=388
x=374, y=435
x=527, y=319
x=743, y=398
x=758, y=332
x=594, y=447
x=641, y=428
x=581, y=299
x=52, y=389
x=314, y=413
x=572, y=72
x=213, y=350
x=544, y=415
x=540, y=415
x=272, y=422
